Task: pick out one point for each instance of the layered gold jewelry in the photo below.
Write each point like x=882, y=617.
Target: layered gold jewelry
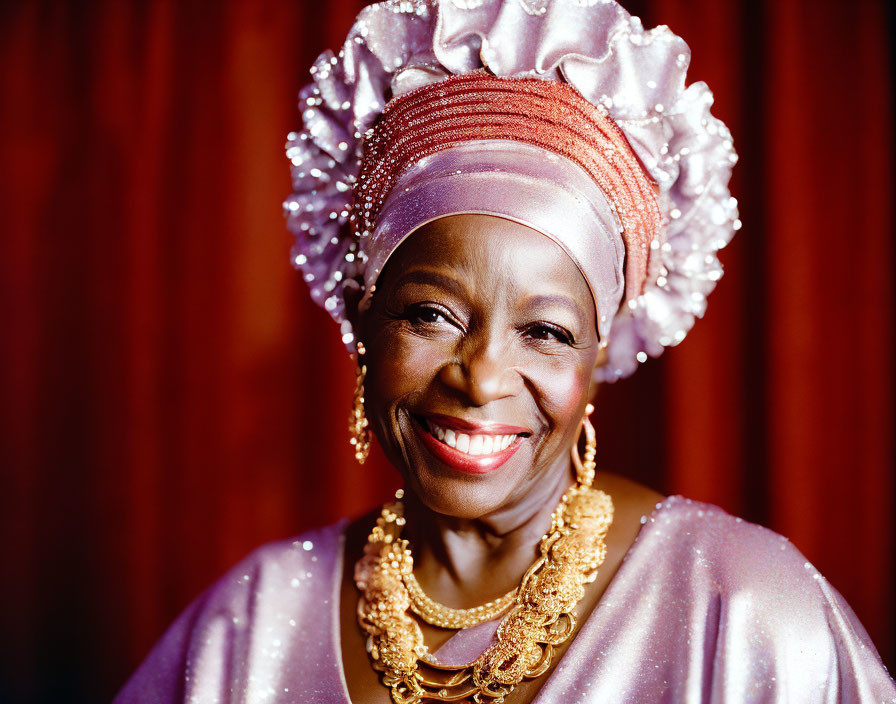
x=442, y=616
x=357, y=420
x=540, y=616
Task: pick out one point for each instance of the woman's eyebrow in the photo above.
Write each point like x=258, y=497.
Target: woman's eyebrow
x=429, y=277
x=545, y=300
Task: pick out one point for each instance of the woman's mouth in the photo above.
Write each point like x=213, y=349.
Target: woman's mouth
x=470, y=447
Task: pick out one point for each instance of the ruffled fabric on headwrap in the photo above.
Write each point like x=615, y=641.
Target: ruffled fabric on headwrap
x=598, y=48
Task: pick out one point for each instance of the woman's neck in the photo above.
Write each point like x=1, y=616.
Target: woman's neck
x=464, y=562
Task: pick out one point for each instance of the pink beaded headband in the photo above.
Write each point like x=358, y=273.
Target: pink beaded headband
x=545, y=114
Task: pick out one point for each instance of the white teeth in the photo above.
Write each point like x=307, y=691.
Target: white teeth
x=472, y=444
x=476, y=444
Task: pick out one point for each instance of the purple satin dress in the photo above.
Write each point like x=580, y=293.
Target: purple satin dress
x=705, y=607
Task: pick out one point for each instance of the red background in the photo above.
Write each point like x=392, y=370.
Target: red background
x=171, y=398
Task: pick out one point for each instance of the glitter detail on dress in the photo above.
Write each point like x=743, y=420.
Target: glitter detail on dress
x=706, y=607
x=546, y=114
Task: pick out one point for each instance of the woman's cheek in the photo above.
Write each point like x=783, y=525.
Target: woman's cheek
x=562, y=389
x=402, y=365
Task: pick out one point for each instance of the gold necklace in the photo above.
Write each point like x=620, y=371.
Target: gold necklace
x=431, y=611
x=436, y=614
x=539, y=620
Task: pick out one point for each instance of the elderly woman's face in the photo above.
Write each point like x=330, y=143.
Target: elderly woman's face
x=480, y=346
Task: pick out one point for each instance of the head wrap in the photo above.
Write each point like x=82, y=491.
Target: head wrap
x=525, y=109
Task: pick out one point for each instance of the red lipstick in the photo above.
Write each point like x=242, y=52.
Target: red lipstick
x=484, y=427
x=463, y=461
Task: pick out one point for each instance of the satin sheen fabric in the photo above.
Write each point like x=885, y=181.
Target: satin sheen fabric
x=605, y=54
x=706, y=607
x=515, y=181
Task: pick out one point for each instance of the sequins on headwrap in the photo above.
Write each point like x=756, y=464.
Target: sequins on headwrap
x=546, y=114
x=604, y=56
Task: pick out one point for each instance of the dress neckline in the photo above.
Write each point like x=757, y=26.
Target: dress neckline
x=339, y=574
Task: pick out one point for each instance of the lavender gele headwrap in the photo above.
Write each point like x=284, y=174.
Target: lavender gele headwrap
x=563, y=115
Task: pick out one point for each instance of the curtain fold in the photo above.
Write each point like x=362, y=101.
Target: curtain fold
x=170, y=398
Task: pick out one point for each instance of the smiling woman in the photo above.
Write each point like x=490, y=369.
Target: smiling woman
x=484, y=329
x=504, y=204
x=480, y=347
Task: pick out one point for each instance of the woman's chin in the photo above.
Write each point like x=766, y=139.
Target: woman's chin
x=519, y=486
x=458, y=500
x=461, y=484
x=465, y=496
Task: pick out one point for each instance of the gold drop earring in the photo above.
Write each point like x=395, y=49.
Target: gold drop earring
x=357, y=420
x=586, y=466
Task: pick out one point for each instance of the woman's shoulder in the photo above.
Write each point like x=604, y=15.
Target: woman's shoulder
x=294, y=563
x=740, y=558
x=308, y=561
x=760, y=588
x=705, y=541
x=318, y=547
x=251, y=613
x=766, y=616
x=736, y=550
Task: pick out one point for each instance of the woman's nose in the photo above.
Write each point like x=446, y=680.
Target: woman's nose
x=484, y=374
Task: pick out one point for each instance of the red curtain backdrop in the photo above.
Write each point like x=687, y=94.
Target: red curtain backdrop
x=170, y=398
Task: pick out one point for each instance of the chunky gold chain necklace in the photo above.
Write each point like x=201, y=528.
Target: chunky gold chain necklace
x=437, y=614
x=540, y=618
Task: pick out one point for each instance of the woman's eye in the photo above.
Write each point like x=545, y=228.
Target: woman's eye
x=543, y=331
x=427, y=315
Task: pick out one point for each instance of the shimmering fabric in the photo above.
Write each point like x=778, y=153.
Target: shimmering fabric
x=705, y=608
x=549, y=115
x=597, y=48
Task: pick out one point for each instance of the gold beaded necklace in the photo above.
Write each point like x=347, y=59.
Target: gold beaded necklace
x=540, y=614
x=442, y=616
